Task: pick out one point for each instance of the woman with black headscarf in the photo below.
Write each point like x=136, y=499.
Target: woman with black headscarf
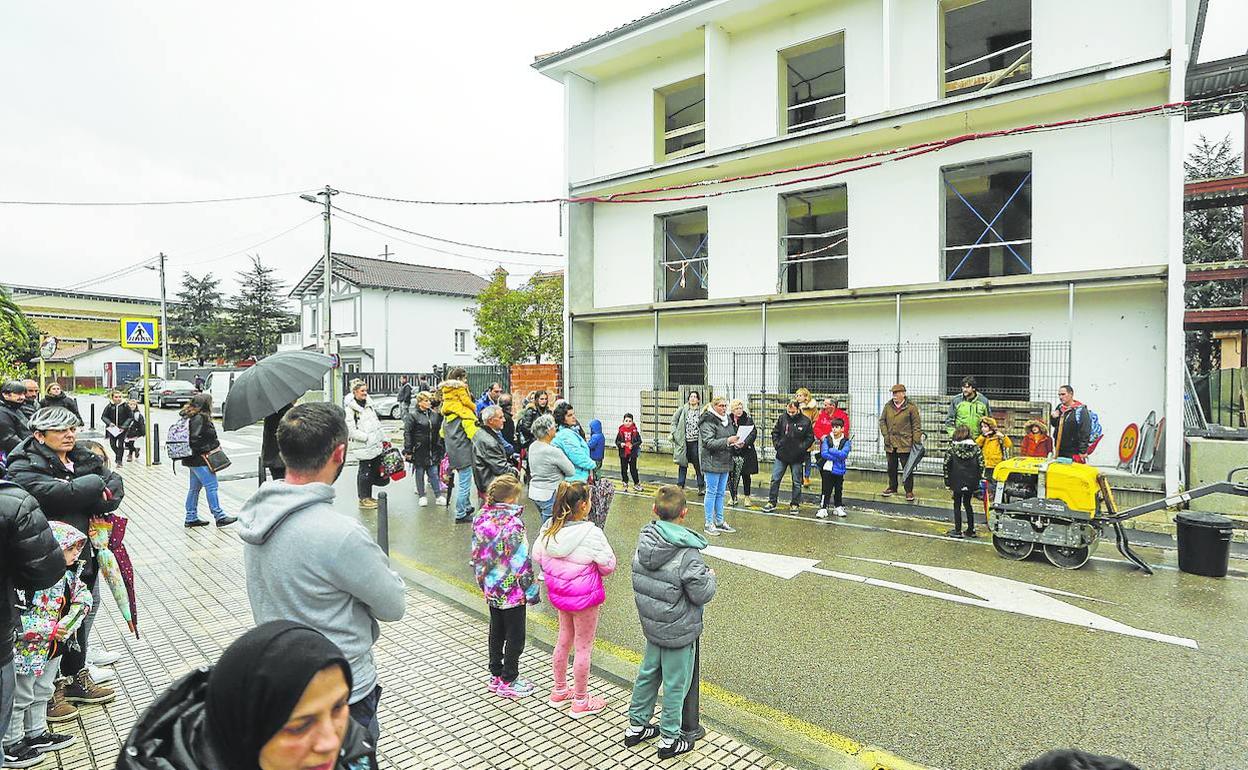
x=276, y=700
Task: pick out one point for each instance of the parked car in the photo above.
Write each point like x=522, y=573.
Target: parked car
x=134, y=388
x=388, y=407
x=173, y=392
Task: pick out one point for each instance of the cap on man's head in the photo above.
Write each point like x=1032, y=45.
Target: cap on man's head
x=14, y=386
x=898, y=388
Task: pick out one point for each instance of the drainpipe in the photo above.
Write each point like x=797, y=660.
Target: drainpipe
x=386, y=326
x=897, y=349
x=1070, y=332
x=764, y=324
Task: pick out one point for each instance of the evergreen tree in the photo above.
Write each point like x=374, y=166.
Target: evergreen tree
x=19, y=339
x=193, y=323
x=1211, y=235
x=258, y=313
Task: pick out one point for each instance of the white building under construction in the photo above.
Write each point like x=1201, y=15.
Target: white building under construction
x=844, y=193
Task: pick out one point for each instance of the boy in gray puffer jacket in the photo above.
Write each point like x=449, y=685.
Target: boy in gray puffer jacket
x=671, y=583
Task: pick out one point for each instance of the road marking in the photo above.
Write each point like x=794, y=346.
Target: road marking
x=994, y=593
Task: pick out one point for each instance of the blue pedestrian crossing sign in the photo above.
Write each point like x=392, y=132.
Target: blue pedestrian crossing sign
x=141, y=333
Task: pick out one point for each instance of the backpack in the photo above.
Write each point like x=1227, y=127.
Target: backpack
x=178, y=440
x=1096, y=432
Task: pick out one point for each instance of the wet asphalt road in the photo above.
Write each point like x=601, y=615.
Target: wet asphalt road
x=949, y=684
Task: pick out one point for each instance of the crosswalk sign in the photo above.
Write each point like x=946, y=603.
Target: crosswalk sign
x=140, y=333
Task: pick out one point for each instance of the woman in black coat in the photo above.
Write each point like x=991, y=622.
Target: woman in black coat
x=203, y=440
x=54, y=395
x=744, y=456
x=277, y=698
x=42, y=466
x=117, y=418
x=422, y=446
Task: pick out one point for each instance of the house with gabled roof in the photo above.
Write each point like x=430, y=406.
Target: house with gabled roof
x=390, y=316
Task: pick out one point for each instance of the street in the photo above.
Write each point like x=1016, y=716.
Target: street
x=879, y=629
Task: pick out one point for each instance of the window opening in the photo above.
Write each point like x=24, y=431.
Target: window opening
x=816, y=240
x=823, y=367
x=461, y=340
x=988, y=219
x=685, y=365
x=683, y=107
x=684, y=255
x=814, y=78
x=1001, y=366
x=987, y=44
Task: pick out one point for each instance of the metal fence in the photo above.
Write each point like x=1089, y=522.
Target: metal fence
x=1020, y=376
x=387, y=383
x=1222, y=397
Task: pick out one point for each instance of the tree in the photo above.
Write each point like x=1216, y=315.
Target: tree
x=258, y=313
x=19, y=339
x=194, y=327
x=516, y=326
x=1211, y=235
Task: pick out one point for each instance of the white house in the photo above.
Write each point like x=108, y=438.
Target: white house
x=754, y=257
x=391, y=316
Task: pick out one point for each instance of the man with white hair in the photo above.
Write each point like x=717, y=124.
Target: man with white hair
x=491, y=452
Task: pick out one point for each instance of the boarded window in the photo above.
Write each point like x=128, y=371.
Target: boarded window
x=816, y=240
x=1001, y=366
x=684, y=255
x=814, y=82
x=988, y=219
x=684, y=365
x=682, y=118
x=823, y=367
x=987, y=44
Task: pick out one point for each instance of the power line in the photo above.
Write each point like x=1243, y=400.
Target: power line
x=426, y=202
x=154, y=203
x=427, y=247
x=254, y=245
x=340, y=210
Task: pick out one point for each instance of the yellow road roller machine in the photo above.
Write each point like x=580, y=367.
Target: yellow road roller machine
x=1054, y=505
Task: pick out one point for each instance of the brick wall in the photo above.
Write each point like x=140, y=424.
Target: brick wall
x=526, y=378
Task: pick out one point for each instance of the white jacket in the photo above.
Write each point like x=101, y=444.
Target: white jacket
x=365, y=435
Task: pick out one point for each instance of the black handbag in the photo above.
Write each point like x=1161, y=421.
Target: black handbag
x=216, y=460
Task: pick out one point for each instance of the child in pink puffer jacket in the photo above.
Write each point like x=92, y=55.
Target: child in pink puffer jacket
x=575, y=556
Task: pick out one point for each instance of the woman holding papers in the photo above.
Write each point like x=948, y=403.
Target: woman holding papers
x=744, y=455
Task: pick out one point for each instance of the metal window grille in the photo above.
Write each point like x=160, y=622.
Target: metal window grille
x=684, y=256
x=608, y=383
x=815, y=243
x=684, y=119
x=988, y=218
x=987, y=44
x=815, y=75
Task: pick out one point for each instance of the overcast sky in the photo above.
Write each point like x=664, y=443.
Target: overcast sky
x=136, y=100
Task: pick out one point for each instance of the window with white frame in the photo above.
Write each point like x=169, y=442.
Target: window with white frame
x=813, y=78
x=344, y=315
x=683, y=256
x=680, y=112
x=461, y=340
x=987, y=218
x=987, y=44
x=815, y=244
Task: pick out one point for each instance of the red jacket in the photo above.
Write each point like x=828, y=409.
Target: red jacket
x=628, y=441
x=1036, y=445
x=823, y=422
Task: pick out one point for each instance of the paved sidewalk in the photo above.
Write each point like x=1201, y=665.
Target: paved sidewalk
x=436, y=712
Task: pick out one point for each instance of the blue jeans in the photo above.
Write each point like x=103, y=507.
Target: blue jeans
x=463, y=492
x=716, y=483
x=430, y=472
x=545, y=508
x=8, y=684
x=778, y=468
x=205, y=479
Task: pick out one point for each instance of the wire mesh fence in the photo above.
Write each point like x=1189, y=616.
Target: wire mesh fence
x=1020, y=377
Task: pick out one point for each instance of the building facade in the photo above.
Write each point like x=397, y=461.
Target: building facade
x=389, y=316
x=786, y=194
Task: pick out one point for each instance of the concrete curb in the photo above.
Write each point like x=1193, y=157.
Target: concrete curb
x=782, y=736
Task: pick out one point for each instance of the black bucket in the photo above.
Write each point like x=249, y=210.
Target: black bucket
x=1204, y=543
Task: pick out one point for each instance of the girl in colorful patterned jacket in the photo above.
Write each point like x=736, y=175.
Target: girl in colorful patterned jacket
x=49, y=620
x=500, y=559
x=575, y=556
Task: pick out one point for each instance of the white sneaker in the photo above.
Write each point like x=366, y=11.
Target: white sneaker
x=441, y=500
x=98, y=656
x=822, y=513
x=423, y=502
x=99, y=675
x=840, y=511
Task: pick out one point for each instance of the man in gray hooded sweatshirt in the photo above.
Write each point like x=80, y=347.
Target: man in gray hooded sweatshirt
x=308, y=563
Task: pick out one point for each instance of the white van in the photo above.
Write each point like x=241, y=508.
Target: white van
x=218, y=386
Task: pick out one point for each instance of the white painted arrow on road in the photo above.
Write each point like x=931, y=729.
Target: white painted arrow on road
x=995, y=593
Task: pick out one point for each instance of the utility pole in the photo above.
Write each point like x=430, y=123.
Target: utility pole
x=327, y=272
x=164, y=322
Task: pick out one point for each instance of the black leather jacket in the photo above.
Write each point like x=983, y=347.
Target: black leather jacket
x=30, y=557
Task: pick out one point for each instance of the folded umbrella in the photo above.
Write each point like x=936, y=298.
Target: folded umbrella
x=916, y=453
x=100, y=531
x=272, y=383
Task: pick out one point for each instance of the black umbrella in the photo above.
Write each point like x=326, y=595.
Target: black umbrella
x=273, y=383
x=916, y=453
